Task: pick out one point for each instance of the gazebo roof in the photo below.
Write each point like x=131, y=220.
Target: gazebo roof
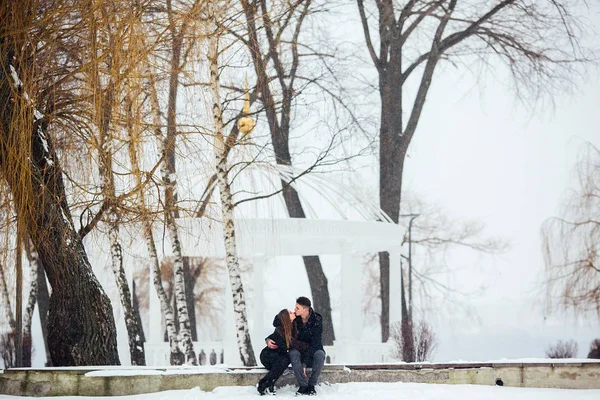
x=289, y=236
x=339, y=218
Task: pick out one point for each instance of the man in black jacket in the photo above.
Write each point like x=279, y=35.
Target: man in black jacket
x=310, y=331
x=307, y=348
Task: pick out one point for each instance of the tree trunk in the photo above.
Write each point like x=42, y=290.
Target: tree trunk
x=190, y=283
x=136, y=311
x=177, y=357
x=136, y=345
x=178, y=281
x=233, y=267
x=33, y=258
x=81, y=326
x=392, y=151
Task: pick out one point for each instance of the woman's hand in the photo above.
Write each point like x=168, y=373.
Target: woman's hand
x=271, y=344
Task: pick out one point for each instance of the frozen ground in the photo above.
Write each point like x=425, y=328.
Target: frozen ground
x=360, y=391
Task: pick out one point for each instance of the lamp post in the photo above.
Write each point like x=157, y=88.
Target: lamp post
x=410, y=303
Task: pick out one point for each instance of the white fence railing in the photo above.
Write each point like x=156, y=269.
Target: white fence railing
x=208, y=353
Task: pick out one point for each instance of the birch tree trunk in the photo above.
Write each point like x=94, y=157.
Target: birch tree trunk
x=176, y=357
x=233, y=267
x=178, y=279
x=34, y=261
x=6, y=300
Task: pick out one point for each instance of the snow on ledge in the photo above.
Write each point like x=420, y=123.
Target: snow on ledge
x=526, y=361
x=125, y=372
x=191, y=370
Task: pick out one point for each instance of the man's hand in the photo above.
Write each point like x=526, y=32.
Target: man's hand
x=271, y=344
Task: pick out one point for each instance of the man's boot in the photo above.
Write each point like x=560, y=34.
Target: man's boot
x=302, y=391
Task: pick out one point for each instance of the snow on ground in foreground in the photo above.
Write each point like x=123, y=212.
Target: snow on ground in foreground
x=360, y=391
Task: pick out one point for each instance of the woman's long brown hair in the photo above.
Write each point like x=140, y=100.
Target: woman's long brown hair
x=289, y=329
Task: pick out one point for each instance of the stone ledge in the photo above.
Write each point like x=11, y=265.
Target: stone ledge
x=113, y=381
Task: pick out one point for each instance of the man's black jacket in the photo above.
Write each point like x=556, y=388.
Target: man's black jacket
x=310, y=333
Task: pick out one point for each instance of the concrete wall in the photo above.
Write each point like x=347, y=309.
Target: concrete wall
x=73, y=382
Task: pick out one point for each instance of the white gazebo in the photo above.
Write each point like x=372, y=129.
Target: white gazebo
x=361, y=227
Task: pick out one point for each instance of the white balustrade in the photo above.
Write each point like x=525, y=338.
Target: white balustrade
x=208, y=353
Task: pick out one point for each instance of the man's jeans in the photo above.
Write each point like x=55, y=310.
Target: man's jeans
x=317, y=366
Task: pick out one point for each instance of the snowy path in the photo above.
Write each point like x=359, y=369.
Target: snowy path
x=374, y=391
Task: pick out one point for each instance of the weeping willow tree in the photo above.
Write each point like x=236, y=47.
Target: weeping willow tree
x=81, y=327
x=571, y=243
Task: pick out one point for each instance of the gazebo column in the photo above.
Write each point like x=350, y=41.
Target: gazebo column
x=395, y=295
x=257, y=323
x=351, y=306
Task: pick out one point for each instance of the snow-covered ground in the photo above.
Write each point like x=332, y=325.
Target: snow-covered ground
x=379, y=391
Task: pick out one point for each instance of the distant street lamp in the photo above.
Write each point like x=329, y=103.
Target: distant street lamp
x=410, y=303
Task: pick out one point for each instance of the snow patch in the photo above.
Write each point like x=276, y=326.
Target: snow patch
x=43, y=139
x=369, y=390
x=123, y=372
x=15, y=76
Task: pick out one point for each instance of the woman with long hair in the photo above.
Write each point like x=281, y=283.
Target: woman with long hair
x=275, y=357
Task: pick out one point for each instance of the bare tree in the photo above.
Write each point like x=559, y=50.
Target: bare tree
x=414, y=37
x=594, y=349
x=81, y=328
x=567, y=349
x=433, y=234
x=571, y=243
x=281, y=23
x=420, y=347
x=426, y=342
